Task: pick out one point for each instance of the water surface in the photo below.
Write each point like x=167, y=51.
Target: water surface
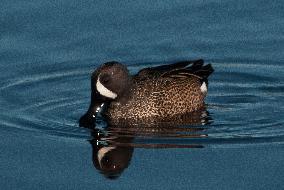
x=48, y=50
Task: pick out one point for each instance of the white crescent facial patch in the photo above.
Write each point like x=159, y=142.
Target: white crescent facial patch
x=104, y=91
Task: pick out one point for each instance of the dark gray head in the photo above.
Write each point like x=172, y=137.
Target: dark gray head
x=111, y=80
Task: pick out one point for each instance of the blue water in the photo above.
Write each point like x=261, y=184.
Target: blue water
x=48, y=50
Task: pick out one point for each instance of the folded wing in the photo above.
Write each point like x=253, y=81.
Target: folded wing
x=178, y=70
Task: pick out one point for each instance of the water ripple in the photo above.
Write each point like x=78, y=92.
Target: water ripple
x=244, y=104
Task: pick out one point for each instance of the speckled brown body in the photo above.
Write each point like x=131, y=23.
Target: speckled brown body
x=159, y=98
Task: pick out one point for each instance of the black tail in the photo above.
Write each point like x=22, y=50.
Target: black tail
x=204, y=71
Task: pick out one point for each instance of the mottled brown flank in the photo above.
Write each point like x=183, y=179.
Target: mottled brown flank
x=159, y=98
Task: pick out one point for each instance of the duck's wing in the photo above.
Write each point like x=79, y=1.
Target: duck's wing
x=196, y=70
x=154, y=72
x=177, y=70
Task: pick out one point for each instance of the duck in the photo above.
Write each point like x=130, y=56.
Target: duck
x=154, y=93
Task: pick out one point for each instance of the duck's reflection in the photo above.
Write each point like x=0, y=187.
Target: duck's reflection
x=114, y=144
x=109, y=157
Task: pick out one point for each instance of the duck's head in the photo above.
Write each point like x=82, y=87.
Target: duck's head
x=111, y=80
x=109, y=158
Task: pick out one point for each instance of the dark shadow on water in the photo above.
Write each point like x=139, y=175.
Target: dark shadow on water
x=113, y=144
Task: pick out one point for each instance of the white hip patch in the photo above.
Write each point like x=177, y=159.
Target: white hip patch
x=203, y=88
x=104, y=91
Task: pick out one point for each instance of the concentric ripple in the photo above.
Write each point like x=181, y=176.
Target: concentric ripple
x=244, y=104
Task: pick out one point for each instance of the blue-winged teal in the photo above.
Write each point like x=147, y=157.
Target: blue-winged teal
x=154, y=93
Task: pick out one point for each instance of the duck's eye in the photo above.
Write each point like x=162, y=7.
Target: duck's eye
x=105, y=78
